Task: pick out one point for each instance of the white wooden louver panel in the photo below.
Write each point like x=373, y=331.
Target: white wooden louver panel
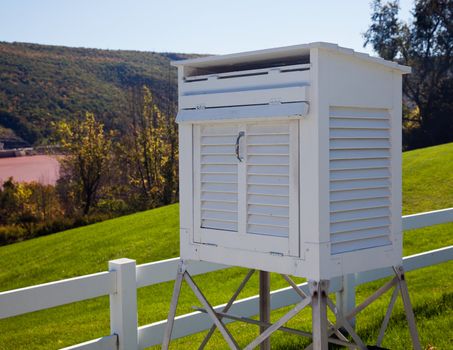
x=219, y=178
x=360, y=184
x=267, y=178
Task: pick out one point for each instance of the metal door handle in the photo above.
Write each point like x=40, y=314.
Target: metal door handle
x=241, y=133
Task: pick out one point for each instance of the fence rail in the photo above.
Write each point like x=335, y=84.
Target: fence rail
x=124, y=277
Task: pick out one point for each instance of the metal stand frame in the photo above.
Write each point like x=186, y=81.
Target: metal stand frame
x=323, y=331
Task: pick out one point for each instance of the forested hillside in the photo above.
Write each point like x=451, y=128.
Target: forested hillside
x=40, y=84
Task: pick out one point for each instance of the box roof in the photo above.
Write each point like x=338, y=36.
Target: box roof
x=273, y=55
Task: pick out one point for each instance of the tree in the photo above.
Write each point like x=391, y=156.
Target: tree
x=425, y=44
x=85, y=165
x=8, y=201
x=384, y=33
x=150, y=151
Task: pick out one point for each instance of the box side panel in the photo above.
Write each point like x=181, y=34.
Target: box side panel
x=363, y=165
x=396, y=164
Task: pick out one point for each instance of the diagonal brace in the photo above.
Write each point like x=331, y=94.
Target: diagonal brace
x=226, y=308
x=209, y=309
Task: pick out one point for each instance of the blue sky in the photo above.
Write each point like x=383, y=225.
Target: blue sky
x=196, y=26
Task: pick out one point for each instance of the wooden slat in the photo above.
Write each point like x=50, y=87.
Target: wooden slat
x=218, y=140
x=268, y=220
x=359, y=154
x=429, y=218
x=358, y=184
x=355, y=123
x=45, y=296
x=359, y=214
x=358, y=133
x=214, y=196
x=219, y=225
x=361, y=113
x=358, y=244
x=219, y=187
x=359, y=225
x=268, y=210
x=355, y=235
x=268, y=190
x=360, y=143
x=358, y=204
x=226, y=216
x=359, y=194
x=268, y=230
x=359, y=174
x=281, y=160
x=359, y=164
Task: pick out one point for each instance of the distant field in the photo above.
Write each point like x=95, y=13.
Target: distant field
x=154, y=235
x=43, y=169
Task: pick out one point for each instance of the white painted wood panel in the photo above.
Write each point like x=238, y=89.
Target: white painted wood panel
x=244, y=98
x=241, y=113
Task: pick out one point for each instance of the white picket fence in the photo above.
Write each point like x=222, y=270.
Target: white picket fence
x=124, y=277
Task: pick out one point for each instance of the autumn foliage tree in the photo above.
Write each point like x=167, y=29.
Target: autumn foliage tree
x=149, y=150
x=87, y=149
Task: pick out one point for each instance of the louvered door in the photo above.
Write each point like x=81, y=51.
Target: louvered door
x=249, y=203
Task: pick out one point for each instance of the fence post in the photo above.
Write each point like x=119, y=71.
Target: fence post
x=123, y=304
x=345, y=298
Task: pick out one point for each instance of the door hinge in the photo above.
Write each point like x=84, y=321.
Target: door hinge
x=276, y=253
x=275, y=101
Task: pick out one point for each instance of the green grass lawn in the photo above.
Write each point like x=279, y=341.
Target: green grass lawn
x=153, y=235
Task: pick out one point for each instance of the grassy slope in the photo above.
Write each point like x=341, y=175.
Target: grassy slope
x=153, y=235
x=428, y=179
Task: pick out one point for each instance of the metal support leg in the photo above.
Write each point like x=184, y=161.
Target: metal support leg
x=302, y=294
x=399, y=271
x=173, y=305
x=265, y=306
x=386, y=320
x=345, y=299
x=319, y=292
x=227, y=307
x=226, y=334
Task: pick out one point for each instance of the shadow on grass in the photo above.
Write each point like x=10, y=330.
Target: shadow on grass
x=423, y=310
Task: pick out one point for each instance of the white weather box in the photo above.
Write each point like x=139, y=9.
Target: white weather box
x=290, y=160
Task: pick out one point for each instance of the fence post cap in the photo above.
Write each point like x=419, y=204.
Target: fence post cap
x=121, y=261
